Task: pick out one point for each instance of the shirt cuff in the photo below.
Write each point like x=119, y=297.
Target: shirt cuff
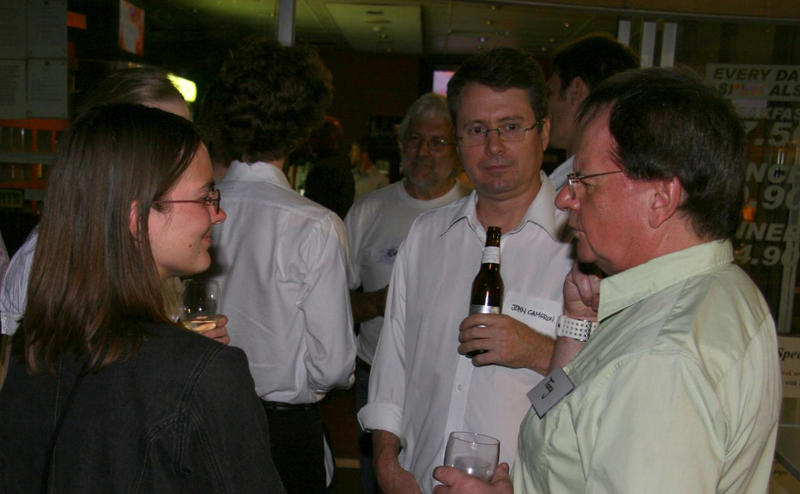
x=9, y=322
x=381, y=416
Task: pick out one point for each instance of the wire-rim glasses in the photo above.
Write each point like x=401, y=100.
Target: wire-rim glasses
x=435, y=144
x=478, y=136
x=574, y=180
x=212, y=199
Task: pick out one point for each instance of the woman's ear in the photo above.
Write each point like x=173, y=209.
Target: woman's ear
x=133, y=224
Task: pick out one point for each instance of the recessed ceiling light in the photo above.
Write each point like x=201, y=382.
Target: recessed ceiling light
x=377, y=29
x=489, y=23
x=544, y=49
x=384, y=35
x=374, y=12
x=483, y=39
x=379, y=21
x=566, y=24
x=552, y=40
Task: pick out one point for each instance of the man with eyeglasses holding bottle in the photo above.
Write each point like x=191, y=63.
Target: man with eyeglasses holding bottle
x=378, y=222
x=423, y=386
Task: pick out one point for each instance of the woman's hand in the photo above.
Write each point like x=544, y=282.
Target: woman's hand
x=219, y=333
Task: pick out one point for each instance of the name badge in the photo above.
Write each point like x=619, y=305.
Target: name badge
x=550, y=391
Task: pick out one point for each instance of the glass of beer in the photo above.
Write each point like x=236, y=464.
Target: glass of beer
x=201, y=301
x=473, y=453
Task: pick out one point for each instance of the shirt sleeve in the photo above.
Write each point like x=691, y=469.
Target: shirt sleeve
x=228, y=446
x=660, y=429
x=14, y=290
x=325, y=303
x=3, y=257
x=351, y=226
x=387, y=382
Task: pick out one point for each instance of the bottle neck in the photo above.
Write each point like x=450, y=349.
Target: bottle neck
x=491, y=256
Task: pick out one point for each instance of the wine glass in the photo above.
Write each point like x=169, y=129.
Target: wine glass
x=473, y=453
x=201, y=301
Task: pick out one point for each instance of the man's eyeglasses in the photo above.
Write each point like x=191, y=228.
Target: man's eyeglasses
x=435, y=144
x=575, y=180
x=212, y=199
x=477, y=135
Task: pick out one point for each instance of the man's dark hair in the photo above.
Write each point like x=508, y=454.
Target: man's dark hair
x=272, y=95
x=668, y=123
x=372, y=145
x=500, y=69
x=594, y=58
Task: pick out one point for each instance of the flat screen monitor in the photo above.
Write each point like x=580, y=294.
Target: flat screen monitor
x=440, y=80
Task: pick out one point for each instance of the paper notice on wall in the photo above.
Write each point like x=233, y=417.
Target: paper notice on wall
x=47, y=28
x=769, y=82
x=789, y=355
x=13, y=100
x=47, y=89
x=13, y=35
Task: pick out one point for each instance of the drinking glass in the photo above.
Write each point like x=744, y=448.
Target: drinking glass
x=473, y=453
x=201, y=301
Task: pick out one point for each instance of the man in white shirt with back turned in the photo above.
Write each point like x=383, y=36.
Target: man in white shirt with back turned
x=281, y=262
x=422, y=386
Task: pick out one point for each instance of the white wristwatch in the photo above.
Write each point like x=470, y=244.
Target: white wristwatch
x=577, y=329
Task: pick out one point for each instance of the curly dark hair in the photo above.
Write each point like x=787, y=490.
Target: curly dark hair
x=500, y=69
x=272, y=96
x=668, y=123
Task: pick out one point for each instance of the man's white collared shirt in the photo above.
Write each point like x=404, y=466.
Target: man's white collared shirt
x=421, y=388
x=281, y=263
x=376, y=226
x=14, y=286
x=559, y=176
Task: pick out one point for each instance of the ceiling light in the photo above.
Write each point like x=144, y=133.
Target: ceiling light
x=552, y=40
x=379, y=21
x=566, y=24
x=384, y=35
x=187, y=88
x=483, y=39
x=377, y=29
x=374, y=12
x=489, y=23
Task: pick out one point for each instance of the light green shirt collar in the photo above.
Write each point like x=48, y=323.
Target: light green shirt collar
x=624, y=289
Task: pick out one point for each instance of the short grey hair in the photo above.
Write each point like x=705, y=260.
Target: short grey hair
x=428, y=106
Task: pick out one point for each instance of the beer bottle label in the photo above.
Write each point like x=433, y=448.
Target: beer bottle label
x=491, y=255
x=483, y=309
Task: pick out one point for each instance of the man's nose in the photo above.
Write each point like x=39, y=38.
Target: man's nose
x=564, y=199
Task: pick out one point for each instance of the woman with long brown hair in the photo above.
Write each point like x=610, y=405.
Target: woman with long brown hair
x=104, y=392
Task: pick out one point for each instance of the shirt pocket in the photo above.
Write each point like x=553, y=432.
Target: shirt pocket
x=537, y=313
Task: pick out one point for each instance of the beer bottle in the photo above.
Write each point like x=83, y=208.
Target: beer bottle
x=487, y=288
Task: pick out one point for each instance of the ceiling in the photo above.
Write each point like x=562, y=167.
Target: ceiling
x=430, y=27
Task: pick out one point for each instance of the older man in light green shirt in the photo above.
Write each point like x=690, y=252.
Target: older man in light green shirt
x=678, y=388
x=676, y=392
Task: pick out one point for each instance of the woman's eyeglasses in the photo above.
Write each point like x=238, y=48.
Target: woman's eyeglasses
x=212, y=199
